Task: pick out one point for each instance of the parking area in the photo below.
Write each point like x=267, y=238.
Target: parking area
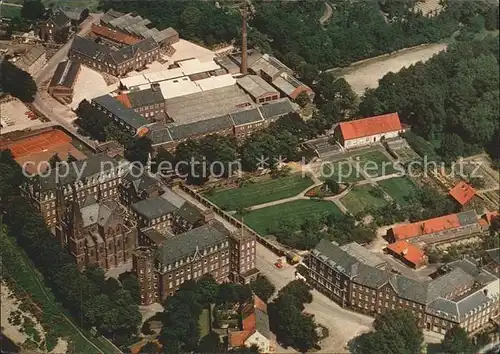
x=14, y=115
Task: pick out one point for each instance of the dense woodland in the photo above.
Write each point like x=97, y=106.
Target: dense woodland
x=108, y=305
x=452, y=100
x=291, y=29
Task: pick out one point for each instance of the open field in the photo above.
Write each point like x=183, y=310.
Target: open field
x=361, y=197
x=342, y=171
x=366, y=74
x=375, y=164
x=261, y=220
x=259, y=192
x=399, y=188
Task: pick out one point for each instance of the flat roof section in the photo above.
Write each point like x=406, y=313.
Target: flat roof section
x=207, y=104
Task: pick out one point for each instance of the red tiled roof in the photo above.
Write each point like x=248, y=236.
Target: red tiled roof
x=426, y=227
x=114, y=35
x=259, y=304
x=370, y=126
x=462, y=192
x=124, y=99
x=238, y=338
x=490, y=216
x=409, y=252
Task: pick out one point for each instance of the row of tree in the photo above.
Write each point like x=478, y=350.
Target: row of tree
x=107, y=305
x=452, y=100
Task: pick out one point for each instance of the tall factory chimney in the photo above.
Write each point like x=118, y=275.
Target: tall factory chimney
x=243, y=66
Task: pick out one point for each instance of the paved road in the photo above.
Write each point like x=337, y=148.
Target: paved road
x=47, y=105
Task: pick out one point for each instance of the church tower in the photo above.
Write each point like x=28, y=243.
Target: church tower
x=76, y=242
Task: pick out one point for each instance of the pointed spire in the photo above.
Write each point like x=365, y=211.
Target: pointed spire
x=60, y=203
x=76, y=214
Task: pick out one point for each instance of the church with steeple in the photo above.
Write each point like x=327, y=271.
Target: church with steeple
x=95, y=231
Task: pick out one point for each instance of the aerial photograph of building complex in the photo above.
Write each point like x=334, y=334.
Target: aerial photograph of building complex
x=250, y=176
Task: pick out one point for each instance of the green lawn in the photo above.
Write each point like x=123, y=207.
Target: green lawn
x=259, y=192
x=341, y=171
x=261, y=220
x=399, y=188
x=360, y=197
x=10, y=11
x=375, y=164
x=204, y=322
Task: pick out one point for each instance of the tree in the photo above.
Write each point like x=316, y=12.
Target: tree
x=456, y=341
x=332, y=185
x=303, y=99
x=245, y=350
x=130, y=282
x=396, y=331
x=139, y=150
x=54, y=160
x=32, y=10
x=149, y=348
x=291, y=326
x=210, y=344
x=263, y=288
x=71, y=158
x=17, y=82
x=207, y=289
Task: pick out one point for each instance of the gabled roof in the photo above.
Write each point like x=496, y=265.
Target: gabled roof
x=65, y=74
x=126, y=114
x=408, y=251
x=360, y=128
x=462, y=192
x=59, y=18
x=276, y=109
x=446, y=222
x=114, y=35
x=187, y=244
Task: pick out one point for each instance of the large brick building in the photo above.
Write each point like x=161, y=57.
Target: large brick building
x=165, y=260
x=463, y=294
x=98, y=176
x=114, y=62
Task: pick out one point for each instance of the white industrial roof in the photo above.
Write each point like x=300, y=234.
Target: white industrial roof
x=214, y=82
x=194, y=66
x=132, y=81
x=178, y=87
